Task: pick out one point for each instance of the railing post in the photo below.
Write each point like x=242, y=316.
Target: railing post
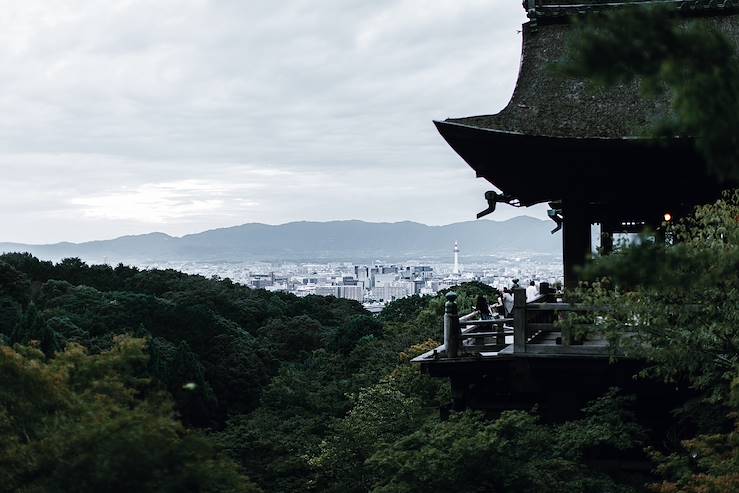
x=500, y=336
x=519, y=320
x=452, y=334
x=565, y=330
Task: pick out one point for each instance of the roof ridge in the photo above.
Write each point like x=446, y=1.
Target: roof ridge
x=542, y=9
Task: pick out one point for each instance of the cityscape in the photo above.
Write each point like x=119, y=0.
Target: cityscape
x=377, y=283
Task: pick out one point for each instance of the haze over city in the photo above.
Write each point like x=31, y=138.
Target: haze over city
x=127, y=117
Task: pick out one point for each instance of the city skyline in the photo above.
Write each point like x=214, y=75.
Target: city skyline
x=131, y=117
x=376, y=284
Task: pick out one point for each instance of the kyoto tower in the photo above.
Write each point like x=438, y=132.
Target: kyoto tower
x=456, y=258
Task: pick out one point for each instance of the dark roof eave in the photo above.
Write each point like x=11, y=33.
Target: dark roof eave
x=536, y=168
x=630, y=138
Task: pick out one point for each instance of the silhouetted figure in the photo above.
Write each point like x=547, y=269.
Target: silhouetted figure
x=484, y=308
x=507, y=301
x=531, y=292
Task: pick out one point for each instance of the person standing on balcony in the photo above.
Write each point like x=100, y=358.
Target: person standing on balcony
x=483, y=307
x=507, y=301
x=531, y=292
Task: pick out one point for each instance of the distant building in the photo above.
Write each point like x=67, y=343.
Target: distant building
x=327, y=291
x=351, y=293
x=346, y=292
x=348, y=280
x=393, y=292
x=455, y=270
x=385, y=279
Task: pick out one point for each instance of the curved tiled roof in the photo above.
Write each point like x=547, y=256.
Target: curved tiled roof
x=559, y=137
x=547, y=104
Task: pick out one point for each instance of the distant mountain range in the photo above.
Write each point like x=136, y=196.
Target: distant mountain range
x=333, y=240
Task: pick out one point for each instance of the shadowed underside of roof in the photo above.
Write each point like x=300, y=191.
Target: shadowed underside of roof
x=634, y=175
x=545, y=103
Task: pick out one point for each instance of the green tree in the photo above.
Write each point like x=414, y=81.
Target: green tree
x=14, y=284
x=405, y=309
x=238, y=366
x=706, y=463
x=514, y=453
x=291, y=339
x=381, y=414
x=675, y=306
x=346, y=336
x=691, y=61
x=81, y=422
x=10, y=316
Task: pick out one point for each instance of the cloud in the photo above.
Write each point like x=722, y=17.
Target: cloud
x=159, y=202
x=113, y=114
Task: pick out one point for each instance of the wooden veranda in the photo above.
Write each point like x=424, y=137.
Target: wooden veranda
x=536, y=328
x=531, y=358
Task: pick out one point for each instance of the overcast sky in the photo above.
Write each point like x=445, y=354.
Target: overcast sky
x=131, y=116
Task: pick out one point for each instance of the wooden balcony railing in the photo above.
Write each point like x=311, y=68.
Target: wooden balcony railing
x=542, y=327
x=538, y=328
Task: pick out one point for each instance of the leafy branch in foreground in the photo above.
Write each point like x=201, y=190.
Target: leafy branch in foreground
x=690, y=60
x=676, y=306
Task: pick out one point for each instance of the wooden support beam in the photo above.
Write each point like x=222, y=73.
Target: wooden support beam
x=576, y=240
x=542, y=327
x=606, y=238
x=452, y=335
x=459, y=394
x=550, y=350
x=500, y=336
x=492, y=321
x=472, y=335
x=519, y=320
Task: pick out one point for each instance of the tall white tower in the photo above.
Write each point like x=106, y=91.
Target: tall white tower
x=456, y=258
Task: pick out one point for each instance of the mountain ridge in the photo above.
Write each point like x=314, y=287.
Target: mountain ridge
x=313, y=240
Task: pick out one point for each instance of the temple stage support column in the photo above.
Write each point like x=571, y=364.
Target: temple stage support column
x=576, y=241
x=606, y=238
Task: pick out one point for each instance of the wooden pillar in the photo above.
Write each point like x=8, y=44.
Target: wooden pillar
x=606, y=238
x=658, y=226
x=452, y=334
x=519, y=320
x=500, y=336
x=459, y=393
x=576, y=242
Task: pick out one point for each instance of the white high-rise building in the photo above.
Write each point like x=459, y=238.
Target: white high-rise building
x=456, y=258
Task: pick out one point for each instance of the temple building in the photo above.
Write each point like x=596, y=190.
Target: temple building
x=582, y=150
x=561, y=141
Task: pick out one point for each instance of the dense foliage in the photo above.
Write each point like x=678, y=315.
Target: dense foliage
x=689, y=60
x=676, y=306
x=88, y=423
x=152, y=376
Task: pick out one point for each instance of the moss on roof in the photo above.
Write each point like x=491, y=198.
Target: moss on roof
x=562, y=8
x=545, y=103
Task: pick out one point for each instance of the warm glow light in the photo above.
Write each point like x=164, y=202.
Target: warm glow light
x=668, y=217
